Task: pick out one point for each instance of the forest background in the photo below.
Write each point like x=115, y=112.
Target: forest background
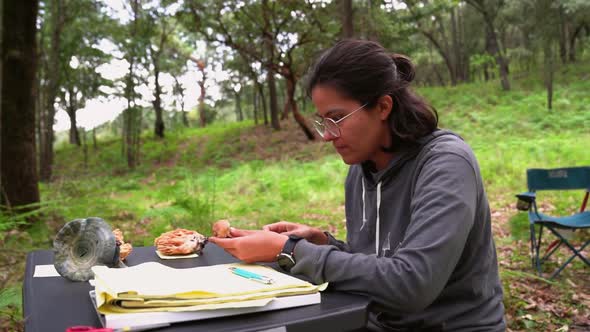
x=214, y=122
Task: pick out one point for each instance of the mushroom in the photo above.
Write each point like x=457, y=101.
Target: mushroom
x=221, y=228
x=125, y=249
x=180, y=242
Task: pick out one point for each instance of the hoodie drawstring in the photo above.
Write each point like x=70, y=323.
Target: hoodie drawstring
x=377, y=222
x=364, y=213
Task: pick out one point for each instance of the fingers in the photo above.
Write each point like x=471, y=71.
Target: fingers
x=236, y=232
x=279, y=227
x=225, y=243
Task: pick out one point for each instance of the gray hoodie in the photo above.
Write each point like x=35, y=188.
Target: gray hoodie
x=419, y=242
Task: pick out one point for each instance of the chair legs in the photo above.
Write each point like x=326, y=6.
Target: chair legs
x=535, y=249
x=577, y=252
x=537, y=261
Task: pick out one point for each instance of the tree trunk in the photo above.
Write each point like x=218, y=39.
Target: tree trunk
x=270, y=77
x=443, y=53
x=347, y=19
x=272, y=91
x=130, y=129
x=17, y=146
x=460, y=52
x=563, y=32
x=181, y=101
x=494, y=50
x=202, y=118
x=71, y=108
x=84, y=147
x=263, y=102
x=159, y=125
x=74, y=135
x=286, y=107
x=94, y=139
x=38, y=105
x=291, y=85
x=548, y=70
x=53, y=78
x=239, y=113
x=573, y=38
x=255, y=104
x=457, y=50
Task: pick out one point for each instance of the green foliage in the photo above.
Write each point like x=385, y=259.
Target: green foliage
x=10, y=307
x=10, y=297
x=11, y=218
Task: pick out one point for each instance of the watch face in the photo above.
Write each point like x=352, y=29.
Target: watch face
x=285, y=261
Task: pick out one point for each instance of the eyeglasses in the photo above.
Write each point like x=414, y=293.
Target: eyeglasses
x=331, y=126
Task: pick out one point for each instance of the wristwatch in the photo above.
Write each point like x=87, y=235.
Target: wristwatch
x=286, y=259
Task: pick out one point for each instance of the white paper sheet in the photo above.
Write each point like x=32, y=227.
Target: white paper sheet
x=45, y=271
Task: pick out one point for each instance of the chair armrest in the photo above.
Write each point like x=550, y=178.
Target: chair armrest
x=525, y=200
x=527, y=196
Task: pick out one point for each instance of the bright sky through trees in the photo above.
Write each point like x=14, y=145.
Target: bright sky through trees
x=103, y=109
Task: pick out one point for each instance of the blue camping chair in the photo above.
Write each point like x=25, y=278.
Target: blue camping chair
x=555, y=179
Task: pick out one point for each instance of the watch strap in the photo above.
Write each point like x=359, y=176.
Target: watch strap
x=289, y=246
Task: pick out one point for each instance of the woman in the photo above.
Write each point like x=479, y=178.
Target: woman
x=419, y=239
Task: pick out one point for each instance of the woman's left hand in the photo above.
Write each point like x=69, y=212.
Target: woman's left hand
x=252, y=246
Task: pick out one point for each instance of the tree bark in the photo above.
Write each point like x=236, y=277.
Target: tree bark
x=573, y=38
x=263, y=102
x=94, y=139
x=291, y=85
x=270, y=77
x=548, y=71
x=239, y=113
x=130, y=126
x=53, y=79
x=74, y=135
x=159, y=125
x=17, y=145
x=548, y=54
x=563, y=35
x=442, y=52
x=460, y=52
x=272, y=91
x=71, y=110
x=84, y=148
x=494, y=50
x=202, y=117
x=180, y=90
x=347, y=19
x=255, y=104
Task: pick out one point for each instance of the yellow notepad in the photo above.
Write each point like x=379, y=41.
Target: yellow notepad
x=156, y=287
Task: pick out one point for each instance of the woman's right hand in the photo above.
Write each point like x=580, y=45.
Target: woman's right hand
x=311, y=234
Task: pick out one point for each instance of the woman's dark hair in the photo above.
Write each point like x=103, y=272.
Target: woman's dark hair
x=364, y=71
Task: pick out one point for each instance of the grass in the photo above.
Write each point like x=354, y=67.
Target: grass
x=254, y=175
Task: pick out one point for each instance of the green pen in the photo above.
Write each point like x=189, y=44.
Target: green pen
x=251, y=275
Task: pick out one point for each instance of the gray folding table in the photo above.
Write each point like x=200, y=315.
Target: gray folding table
x=55, y=303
